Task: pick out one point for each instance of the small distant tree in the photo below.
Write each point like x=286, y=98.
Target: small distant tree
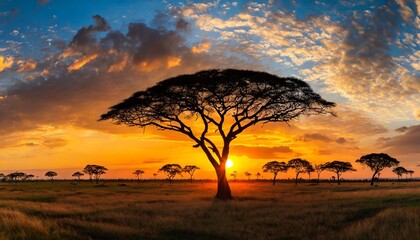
x=248, y=174
x=399, y=171
x=29, y=177
x=20, y=176
x=377, y=162
x=190, y=169
x=171, y=170
x=234, y=174
x=318, y=169
x=15, y=176
x=300, y=166
x=51, y=175
x=98, y=172
x=338, y=167
x=258, y=175
x=95, y=171
x=7, y=177
x=155, y=175
x=89, y=169
x=138, y=174
x=309, y=169
x=78, y=175
x=275, y=167
x=411, y=172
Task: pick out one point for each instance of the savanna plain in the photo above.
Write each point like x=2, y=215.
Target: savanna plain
x=183, y=210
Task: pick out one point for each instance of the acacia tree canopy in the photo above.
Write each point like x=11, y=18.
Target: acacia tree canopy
x=399, y=171
x=171, y=170
x=190, y=169
x=51, y=174
x=224, y=101
x=377, y=162
x=275, y=167
x=300, y=166
x=338, y=167
x=95, y=171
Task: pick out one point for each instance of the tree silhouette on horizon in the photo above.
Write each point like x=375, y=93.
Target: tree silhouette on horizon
x=300, y=166
x=171, y=170
x=190, y=169
x=234, y=174
x=318, y=169
x=138, y=174
x=78, y=175
x=275, y=167
x=51, y=175
x=377, y=162
x=94, y=171
x=226, y=102
x=399, y=171
x=338, y=167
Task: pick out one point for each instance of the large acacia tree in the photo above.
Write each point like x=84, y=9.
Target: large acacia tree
x=226, y=102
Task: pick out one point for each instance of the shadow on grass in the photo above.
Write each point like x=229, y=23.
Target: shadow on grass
x=47, y=199
x=189, y=234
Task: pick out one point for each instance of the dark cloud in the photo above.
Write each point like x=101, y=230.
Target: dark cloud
x=406, y=143
x=340, y=140
x=402, y=129
x=85, y=37
x=149, y=44
x=160, y=160
x=262, y=152
x=54, y=142
x=181, y=24
x=315, y=137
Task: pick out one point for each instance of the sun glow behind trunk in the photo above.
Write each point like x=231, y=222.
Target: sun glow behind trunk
x=229, y=163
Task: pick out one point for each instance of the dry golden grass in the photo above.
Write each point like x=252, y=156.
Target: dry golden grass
x=181, y=210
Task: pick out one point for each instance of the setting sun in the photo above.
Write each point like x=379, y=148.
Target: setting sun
x=229, y=163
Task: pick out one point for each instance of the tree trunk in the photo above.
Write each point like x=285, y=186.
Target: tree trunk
x=274, y=179
x=338, y=179
x=373, y=179
x=223, y=189
x=296, y=181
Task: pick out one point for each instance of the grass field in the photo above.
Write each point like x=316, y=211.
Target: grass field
x=181, y=210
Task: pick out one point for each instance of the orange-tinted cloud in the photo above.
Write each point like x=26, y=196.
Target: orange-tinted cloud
x=26, y=65
x=201, y=47
x=6, y=62
x=78, y=63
